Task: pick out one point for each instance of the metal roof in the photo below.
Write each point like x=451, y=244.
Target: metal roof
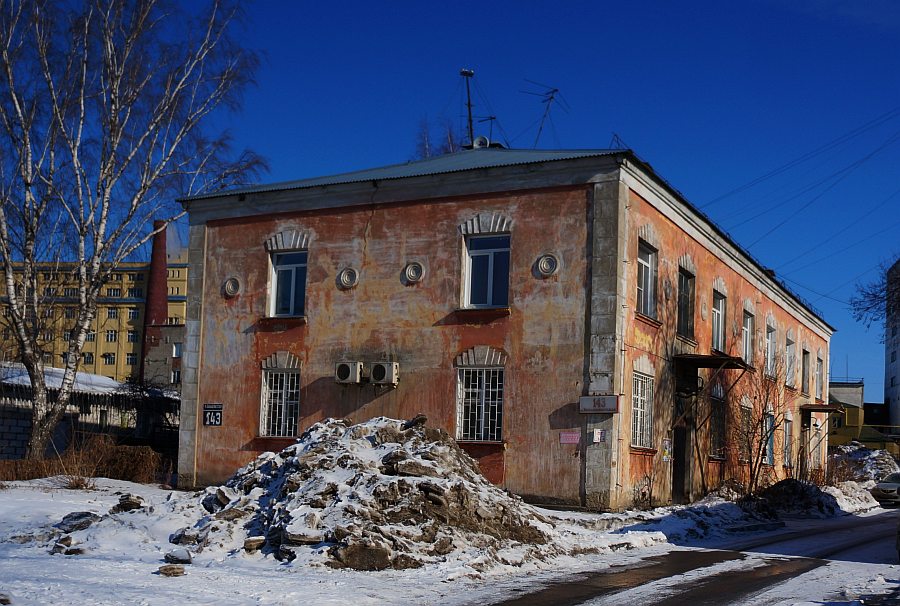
x=469, y=159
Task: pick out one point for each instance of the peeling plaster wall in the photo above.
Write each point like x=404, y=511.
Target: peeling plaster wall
x=382, y=318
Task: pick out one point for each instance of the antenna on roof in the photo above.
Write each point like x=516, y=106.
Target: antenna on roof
x=617, y=142
x=468, y=74
x=548, y=96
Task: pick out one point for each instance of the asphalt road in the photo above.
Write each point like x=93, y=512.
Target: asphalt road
x=717, y=577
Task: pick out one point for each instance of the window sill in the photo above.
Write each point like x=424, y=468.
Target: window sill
x=791, y=388
x=647, y=319
x=270, y=443
x=642, y=451
x=481, y=314
x=716, y=459
x=280, y=323
x=501, y=443
x=687, y=340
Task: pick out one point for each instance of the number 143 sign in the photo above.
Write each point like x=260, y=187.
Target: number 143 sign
x=212, y=414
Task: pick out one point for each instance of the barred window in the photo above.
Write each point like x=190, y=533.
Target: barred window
x=717, y=421
x=642, y=411
x=479, y=404
x=280, y=403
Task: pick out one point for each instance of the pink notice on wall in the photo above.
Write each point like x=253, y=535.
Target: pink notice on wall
x=570, y=437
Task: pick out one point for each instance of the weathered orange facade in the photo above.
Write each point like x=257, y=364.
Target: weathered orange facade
x=564, y=335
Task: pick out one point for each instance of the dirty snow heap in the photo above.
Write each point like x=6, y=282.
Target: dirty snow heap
x=380, y=494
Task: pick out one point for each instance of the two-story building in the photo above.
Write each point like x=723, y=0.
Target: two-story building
x=561, y=313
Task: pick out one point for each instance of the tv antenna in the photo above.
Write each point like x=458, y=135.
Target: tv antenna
x=468, y=74
x=548, y=96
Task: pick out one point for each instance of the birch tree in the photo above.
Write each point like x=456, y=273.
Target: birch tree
x=106, y=117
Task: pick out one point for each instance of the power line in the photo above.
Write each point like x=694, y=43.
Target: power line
x=809, y=155
x=837, y=233
x=847, y=172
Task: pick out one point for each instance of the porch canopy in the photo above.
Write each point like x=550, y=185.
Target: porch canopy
x=688, y=361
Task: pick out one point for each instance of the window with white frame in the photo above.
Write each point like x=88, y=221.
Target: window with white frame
x=790, y=362
x=769, y=439
x=132, y=336
x=746, y=437
x=717, y=421
x=771, y=337
x=176, y=350
x=112, y=313
x=747, y=328
x=820, y=375
x=131, y=359
x=487, y=270
x=69, y=313
x=289, y=283
x=718, y=321
x=788, y=442
x=176, y=376
x=804, y=372
x=134, y=313
x=113, y=292
x=642, y=410
x=90, y=336
x=646, y=279
x=685, y=303
x=109, y=359
x=88, y=357
x=111, y=336
x=280, y=402
x=479, y=404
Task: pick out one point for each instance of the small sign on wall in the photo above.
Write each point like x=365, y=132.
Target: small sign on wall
x=599, y=436
x=212, y=414
x=598, y=404
x=570, y=437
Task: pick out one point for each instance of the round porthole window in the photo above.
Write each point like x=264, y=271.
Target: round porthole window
x=413, y=272
x=347, y=278
x=547, y=265
x=231, y=287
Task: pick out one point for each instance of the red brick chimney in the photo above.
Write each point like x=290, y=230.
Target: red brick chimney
x=156, y=306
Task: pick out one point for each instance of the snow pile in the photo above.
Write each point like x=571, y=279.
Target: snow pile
x=864, y=463
x=795, y=498
x=380, y=494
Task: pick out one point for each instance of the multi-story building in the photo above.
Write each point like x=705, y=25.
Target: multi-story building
x=564, y=314
x=892, y=346
x=115, y=345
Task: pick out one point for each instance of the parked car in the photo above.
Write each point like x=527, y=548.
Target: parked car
x=887, y=491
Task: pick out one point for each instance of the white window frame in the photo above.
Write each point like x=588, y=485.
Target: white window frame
x=132, y=335
x=109, y=359
x=647, y=268
x=176, y=376
x=788, y=445
x=112, y=336
x=131, y=359
x=747, y=329
x=771, y=346
x=279, y=411
x=717, y=314
x=133, y=313
x=718, y=421
x=112, y=313
x=479, y=408
x=641, y=410
x=177, y=349
x=491, y=254
x=820, y=375
x=293, y=268
x=790, y=354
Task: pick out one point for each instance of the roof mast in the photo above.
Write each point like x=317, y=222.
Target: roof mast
x=467, y=74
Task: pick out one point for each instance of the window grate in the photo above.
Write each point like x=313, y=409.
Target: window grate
x=642, y=411
x=281, y=403
x=480, y=404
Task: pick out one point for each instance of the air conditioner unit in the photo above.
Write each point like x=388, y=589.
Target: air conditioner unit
x=348, y=372
x=385, y=373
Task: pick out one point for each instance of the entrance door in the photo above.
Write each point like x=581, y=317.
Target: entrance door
x=681, y=465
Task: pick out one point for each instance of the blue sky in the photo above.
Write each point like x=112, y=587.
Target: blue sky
x=714, y=95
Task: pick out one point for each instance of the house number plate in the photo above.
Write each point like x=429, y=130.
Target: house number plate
x=212, y=414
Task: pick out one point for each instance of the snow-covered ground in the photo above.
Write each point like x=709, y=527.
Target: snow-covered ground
x=340, y=487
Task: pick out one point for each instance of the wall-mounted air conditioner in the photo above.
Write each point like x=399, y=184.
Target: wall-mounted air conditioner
x=385, y=373
x=348, y=372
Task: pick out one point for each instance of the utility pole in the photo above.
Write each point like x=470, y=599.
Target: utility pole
x=467, y=74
